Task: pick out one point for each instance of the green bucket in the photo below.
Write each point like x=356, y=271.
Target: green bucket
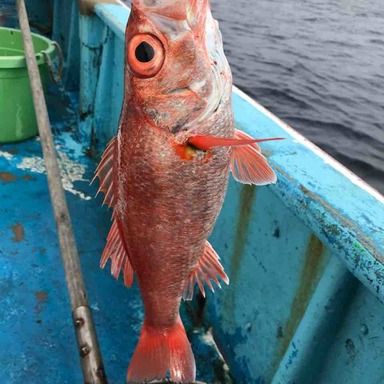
x=17, y=114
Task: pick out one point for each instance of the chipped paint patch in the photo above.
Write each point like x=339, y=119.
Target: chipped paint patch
x=41, y=298
x=208, y=339
x=7, y=177
x=7, y=156
x=71, y=171
x=28, y=178
x=247, y=200
x=18, y=232
x=33, y=164
x=312, y=270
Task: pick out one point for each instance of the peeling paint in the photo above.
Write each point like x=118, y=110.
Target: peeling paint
x=6, y=155
x=71, y=171
x=310, y=275
x=247, y=200
x=33, y=164
x=18, y=232
x=28, y=178
x=7, y=177
x=336, y=229
x=41, y=298
x=220, y=366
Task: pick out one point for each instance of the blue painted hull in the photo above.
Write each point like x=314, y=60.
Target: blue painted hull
x=304, y=256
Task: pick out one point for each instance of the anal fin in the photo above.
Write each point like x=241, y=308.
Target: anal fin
x=207, y=268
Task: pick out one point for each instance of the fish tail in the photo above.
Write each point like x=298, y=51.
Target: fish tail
x=161, y=351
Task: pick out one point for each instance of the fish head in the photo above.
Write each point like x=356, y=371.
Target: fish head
x=176, y=72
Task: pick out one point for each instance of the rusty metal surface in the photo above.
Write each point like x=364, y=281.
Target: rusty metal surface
x=91, y=362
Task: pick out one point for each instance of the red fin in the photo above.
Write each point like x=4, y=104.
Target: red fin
x=162, y=350
x=205, y=143
x=208, y=268
x=105, y=173
x=115, y=250
x=248, y=165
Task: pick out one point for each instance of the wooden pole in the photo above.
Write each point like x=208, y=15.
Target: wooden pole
x=91, y=360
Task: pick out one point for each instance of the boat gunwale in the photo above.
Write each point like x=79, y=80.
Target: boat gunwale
x=358, y=237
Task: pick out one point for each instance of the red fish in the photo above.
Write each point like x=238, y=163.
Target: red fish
x=165, y=174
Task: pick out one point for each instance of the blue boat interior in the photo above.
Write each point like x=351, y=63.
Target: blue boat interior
x=304, y=256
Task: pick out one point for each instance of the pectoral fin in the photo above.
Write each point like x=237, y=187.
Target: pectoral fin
x=248, y=165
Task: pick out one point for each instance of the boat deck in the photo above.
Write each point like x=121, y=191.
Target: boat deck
x=37, y=343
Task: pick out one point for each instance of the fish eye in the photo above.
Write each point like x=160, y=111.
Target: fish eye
x=145, y=55
x=144, y=52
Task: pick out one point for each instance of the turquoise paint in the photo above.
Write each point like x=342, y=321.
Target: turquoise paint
x=65, y=31
x=249, y=316
x=109, y=93
x=115, y=16
x=93, y=35
x=304, y=359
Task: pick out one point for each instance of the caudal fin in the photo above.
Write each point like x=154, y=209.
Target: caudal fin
x=162, y=351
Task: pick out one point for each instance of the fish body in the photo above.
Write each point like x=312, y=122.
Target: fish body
x=169, y=203
x=165, y=174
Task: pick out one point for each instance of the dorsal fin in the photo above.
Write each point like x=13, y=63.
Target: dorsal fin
x=105, y=173
x=207, y=268
x=115, y=248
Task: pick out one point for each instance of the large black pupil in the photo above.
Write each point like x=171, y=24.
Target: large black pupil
x=144, y=52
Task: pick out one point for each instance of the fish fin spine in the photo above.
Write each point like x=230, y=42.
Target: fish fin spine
x=208, y=142
x=248, y=165
x=116, y=251
x=207, y=269
x=161, y=351
x=105, y=173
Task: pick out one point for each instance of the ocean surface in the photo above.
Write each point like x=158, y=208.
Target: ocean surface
x=317, y=64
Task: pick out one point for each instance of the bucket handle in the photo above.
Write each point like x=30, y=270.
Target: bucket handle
x=56, y=77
